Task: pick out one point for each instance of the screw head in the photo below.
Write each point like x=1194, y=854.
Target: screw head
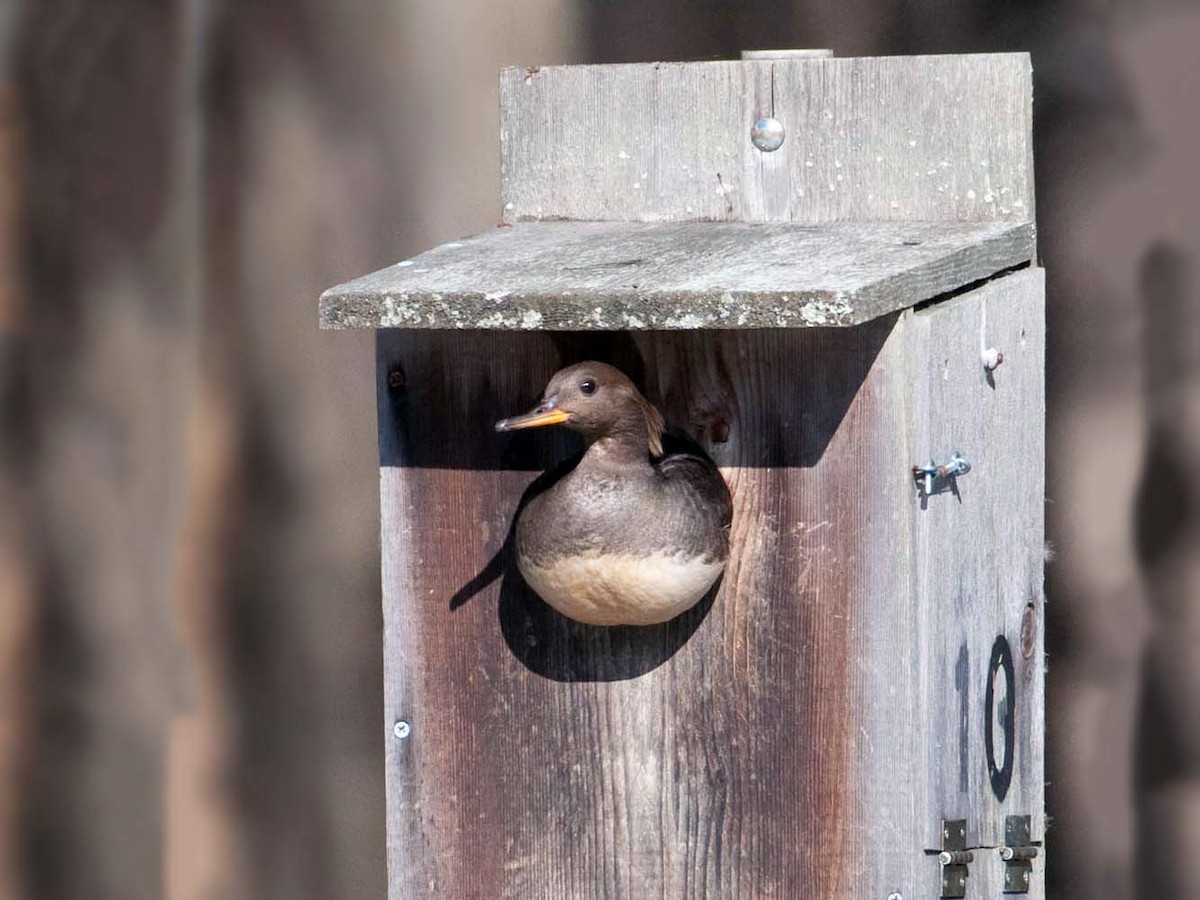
x=401, y=729
x=767, y=134
x=895, y=895
x=959, y=465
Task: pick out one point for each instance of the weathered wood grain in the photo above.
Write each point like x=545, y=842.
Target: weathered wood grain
x=797, y=735
x=717, y=756
x=597, y=276
x=977, y=556
x=893, y=138
x=805, y=729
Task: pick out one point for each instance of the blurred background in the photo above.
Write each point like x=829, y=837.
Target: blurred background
x=190, y=632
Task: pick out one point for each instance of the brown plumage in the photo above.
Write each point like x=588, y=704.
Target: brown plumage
x=628, y=536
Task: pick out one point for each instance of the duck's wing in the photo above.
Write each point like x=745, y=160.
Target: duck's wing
x=698, y=479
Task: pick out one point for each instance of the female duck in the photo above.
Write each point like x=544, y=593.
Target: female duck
x=627, y=537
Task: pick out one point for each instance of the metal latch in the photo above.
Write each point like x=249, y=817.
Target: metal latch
x=1018, y=854
x=934, y=477
x=954, y=858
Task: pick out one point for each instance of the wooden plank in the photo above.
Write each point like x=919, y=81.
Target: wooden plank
x=651, y=142
x=977, y=558
x=892, y=138
x=747, y=750
x=600, y=276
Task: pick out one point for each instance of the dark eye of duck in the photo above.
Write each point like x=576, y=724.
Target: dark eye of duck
x=587, y=386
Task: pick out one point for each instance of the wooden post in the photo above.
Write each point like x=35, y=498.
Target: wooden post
x=822, y=319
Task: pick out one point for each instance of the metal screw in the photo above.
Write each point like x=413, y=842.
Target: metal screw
x=395, y=378
x=895, y=895
x=767, y=134
x=401, y=729
x=928, y=471
x=991, y=358
x=958, y=465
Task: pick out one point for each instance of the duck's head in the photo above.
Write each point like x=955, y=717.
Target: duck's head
x=597, y=401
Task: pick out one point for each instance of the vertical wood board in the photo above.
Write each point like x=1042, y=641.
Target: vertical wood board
x=977, y=558
x=719, y=756
x=889, y=139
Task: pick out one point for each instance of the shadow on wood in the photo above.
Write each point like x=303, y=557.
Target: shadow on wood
x=441, y=391
x=426, y=422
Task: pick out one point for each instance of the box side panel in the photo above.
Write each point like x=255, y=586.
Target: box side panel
x=977, y=560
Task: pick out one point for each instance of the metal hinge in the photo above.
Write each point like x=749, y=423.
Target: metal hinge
x=954, y=858
x=1018, y=854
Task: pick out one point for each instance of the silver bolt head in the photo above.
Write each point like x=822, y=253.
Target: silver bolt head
x=767, y=134
x=895, y=895
x=401, y=729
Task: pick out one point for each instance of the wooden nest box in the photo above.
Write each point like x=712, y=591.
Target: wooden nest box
x=857, y=710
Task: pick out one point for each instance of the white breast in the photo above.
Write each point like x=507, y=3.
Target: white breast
x=622, y=590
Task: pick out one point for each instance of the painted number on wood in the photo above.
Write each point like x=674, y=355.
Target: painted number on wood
x=999, y=724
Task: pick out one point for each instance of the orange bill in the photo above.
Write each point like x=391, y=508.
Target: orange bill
x=535, y=419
